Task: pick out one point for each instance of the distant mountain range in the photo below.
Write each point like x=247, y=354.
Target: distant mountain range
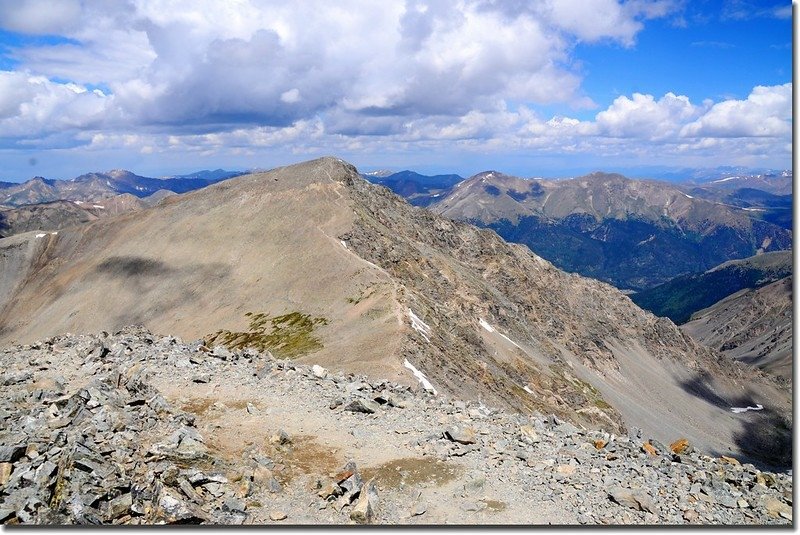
x=634, y=234
x=92, y=186
x=419, y=190
x=54, y=215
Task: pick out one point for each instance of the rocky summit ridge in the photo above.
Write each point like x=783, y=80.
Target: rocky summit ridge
x=314, y=263
x=135, y=428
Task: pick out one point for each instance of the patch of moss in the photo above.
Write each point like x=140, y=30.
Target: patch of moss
x=287, y=336
x=601, y=404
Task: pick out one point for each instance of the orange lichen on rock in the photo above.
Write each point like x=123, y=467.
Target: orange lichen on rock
x=649, y=449
x=679, y=446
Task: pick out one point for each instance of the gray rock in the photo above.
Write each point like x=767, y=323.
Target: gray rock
x=462, y=435
x=633, y=499
x=365, y=509
x=470, y=506
x=234, y=505
x=419, y=509
x=11, y=454
x=173, y=509
x=119, y=506
x=9, y=379
x=277, y=516
x=281, y=438
x=362, y=405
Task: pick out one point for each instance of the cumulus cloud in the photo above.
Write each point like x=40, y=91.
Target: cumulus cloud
x=204, y=64
x=203, y=76
x=32, y=106
x=644, y=117
x=767, y=112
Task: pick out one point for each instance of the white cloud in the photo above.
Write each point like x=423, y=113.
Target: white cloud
x=204, y=64
x=33, y=106
x=644, y=117
x=244, y=76
x=767, y=112
x=40, y=16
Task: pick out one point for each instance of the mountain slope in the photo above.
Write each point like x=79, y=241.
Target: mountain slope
x=681, y=297
x=751, y=325
x=94, y=186
x=56, y=215
x=358, y=280
x=632, y=233
x=760, y=204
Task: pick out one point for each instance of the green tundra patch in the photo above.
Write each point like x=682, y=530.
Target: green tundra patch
x=287, y=336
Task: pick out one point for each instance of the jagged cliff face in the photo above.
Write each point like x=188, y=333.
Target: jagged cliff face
x=401, y=293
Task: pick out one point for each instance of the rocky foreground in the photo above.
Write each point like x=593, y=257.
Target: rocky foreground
x=133, y=428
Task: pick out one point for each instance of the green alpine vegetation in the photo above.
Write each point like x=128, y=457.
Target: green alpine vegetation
x=287, y=336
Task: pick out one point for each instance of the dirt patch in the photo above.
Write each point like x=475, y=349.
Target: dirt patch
x=198, y=406
x=411, y=471
x=307, y=456
x=202, y=406
x=495, y=506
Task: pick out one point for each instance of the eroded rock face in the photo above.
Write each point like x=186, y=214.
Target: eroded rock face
x=91, y=432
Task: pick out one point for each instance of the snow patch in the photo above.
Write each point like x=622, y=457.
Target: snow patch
x=526, y=389
x=343, y=244
x=420, y=376
x=688, y=196
x=78, y=202
x=491, y=329
x=420, y=326
x=724, y=179
x=754, y=209
x=485, y=325
x=108, y=183
x=101, y=207
x=737, y=410
x=42, y=235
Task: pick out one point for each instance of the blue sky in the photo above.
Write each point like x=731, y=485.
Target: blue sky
x=550, y=88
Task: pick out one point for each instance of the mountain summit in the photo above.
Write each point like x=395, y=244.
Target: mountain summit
x=315, y=263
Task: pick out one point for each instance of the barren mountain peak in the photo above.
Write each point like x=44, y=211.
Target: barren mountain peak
x=370, y=284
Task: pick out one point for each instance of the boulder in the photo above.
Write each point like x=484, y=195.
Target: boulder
x=365, y=406
x=635, y=499
x=365, y=509
x=461, y=435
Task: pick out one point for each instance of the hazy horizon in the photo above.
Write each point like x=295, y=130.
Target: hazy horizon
x=546, y=88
